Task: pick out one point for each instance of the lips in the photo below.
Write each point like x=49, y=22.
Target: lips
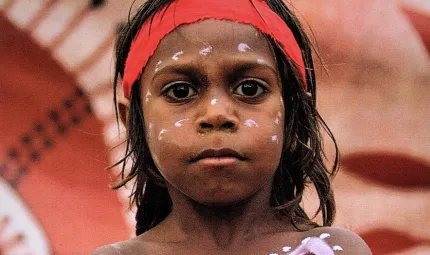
x=213, y=154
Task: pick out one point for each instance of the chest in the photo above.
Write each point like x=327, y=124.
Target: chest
x=263, y=246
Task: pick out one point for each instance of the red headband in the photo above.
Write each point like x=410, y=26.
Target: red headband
x=253, y=12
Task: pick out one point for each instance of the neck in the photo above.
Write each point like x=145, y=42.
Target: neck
x=224, y=225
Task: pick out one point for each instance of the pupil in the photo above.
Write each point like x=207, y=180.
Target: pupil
x=249, y=89
x=181, y=91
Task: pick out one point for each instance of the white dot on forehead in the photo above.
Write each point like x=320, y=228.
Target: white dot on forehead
x=214, y=101
x=148, y=96
x=251, y=123
x=243, y=47
x=177, y=54
x=206, y=51
x=158, y=65
x=337, y=248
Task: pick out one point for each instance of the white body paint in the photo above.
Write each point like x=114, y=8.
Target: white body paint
x=251, y=123
x=337, y=248
x=206, y=51
x=243, y=47
x=148, y=97
x=177, y=54
x=324, y=235
x=260, y=61
x=161, y=134
x=286, y=248
x=306, y=240
x=158, y=65
x=214, y=101
x=275, y=139
x=179, y=123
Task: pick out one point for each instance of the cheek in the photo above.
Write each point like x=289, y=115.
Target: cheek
x=166, y=142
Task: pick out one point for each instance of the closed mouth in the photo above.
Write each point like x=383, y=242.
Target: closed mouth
x=221, y=153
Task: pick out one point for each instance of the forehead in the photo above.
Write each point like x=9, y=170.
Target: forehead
x=220, y=35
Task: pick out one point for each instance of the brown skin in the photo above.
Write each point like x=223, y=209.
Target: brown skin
x=233, y=101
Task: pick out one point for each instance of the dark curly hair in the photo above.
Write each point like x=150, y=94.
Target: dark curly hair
x=302, y=160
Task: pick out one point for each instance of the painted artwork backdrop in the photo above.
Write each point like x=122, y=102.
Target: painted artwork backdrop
x=58, y=129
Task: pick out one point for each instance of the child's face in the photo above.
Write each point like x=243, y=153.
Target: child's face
x=214, y=85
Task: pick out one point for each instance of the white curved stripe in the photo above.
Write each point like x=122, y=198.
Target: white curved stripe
x=60, y=14
x=98, y=76
x=83, y=41
x=22, y=221
x=23, y=11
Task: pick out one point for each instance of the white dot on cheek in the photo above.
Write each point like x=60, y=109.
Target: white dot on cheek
x=337, y=248
x=260, y=61
x=162, y=134
x=150, y=130
x=275, y=139
x=180, y=123
x=251, y=123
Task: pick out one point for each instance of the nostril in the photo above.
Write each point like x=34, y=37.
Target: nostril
x=206, y=125
x=227, y=125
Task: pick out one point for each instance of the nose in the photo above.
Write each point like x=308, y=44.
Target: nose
x=219, y=117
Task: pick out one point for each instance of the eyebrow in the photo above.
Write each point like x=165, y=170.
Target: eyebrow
x=236, y=67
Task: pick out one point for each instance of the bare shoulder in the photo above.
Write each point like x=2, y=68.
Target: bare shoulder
x=341, y=240
x=132, y=246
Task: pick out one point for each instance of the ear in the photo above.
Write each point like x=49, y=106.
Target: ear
x=123, y=110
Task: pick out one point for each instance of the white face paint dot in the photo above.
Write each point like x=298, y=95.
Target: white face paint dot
x=275, y=139
x=251, y=123
x=286, y=248
x=158, y=65
x=324, y=235
x=206, y=51
x=214, y=101
x=306, y=240
x=148, y=96
x=179, y=123
x=337, y=248
x=177, y=54
x=150, y=130
x=243, y=47
x=260, y=61
x=161, y=134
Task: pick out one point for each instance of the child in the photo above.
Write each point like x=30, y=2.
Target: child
x=223, y=133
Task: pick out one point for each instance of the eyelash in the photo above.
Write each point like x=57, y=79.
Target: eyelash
x=262, y=87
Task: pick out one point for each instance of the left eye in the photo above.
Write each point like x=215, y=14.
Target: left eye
x=180, y=91
x=250, y=88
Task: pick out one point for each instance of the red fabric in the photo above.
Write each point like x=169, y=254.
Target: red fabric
x=253, y=12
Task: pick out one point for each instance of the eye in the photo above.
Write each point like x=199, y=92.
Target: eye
x=179, y=91
x=250, y=88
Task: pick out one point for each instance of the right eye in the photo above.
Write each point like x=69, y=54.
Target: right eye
x=179, y=91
